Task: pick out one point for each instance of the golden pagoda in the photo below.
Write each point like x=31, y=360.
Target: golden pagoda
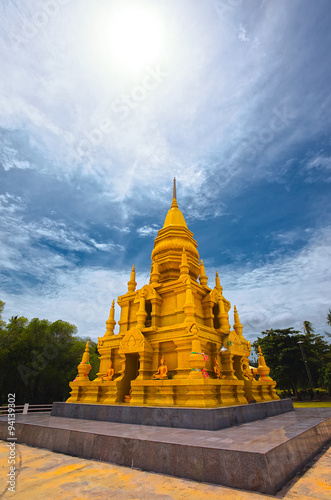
x=175, y=345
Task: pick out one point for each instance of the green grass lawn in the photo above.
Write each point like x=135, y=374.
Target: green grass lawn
x=312, y=404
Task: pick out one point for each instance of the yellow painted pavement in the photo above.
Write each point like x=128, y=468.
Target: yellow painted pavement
x=43, y=474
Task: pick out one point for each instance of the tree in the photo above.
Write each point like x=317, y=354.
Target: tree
x=308, y=327
x=283, y=356
x=2, y=306
x=328, y=318
x=39, y=358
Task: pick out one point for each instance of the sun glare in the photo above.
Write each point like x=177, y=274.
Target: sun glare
x=135, y=38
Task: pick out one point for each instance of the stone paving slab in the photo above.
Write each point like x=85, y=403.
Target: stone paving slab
x=259, y=456
x=45, y=474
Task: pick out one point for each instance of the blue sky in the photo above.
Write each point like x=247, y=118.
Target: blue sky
x=235, y=104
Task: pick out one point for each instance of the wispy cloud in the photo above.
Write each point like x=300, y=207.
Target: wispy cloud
x=32, y=247
x=147, y=231
x=318, y=168
x=9, y=159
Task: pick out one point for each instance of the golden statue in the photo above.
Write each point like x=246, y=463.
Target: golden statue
x=128, y=397
x=217, y=370
x=110, y=373
x=247, y=373
x=162, y=371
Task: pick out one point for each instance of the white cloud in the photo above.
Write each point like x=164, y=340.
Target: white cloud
x=8, y=159
x=242, y=34
x=291, y=236
x=124, y=229
x=318, y=168
x=25, y=245
x=148, y=231
x=10, y=203
x=320, y=163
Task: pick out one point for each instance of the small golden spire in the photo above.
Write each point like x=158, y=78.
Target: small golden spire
x=263, y=369
x=223, y=316
x=110, y=323
x=86, y=355
x=174, y=198
x=132, y=283
x=238, y=328
x=203, y=278
x=84, y=366
x=218, y=283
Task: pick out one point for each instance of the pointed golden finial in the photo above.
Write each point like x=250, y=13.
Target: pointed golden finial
x=84, y=366
x=203, y=278
x=218, y=283
x=263, y=369
x=110, y=323
x=174, y=197
x=238, y=328
x=132, y=283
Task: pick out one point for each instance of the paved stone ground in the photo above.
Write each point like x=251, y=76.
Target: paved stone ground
x=44, y=474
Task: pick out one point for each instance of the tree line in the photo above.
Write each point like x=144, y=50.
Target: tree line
x=288, y=362
x=39, y=358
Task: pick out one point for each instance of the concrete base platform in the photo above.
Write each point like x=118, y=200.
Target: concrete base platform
x=259, y=456
x=185, y=418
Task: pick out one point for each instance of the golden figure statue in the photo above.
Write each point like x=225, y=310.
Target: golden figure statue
x=128, y=397
x=110, y=373
x=162, y=371
x=217, y=370
x=247, y=373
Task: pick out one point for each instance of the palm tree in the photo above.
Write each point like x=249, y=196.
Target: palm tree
x=308, y=327
x=328, y=318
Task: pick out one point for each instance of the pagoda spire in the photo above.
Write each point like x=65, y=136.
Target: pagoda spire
x=110, y=323
x=238, y=328
x=223, y=316
x=203, y=278
x=218, y=283
x=84, y=366
x=174, y=198
x=132, y=283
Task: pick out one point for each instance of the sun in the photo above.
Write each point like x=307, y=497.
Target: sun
x=135, y=37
